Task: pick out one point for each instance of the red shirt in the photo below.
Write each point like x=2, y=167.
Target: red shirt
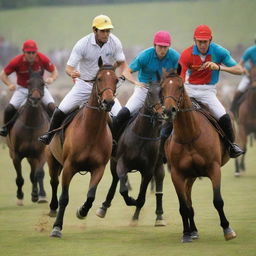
x=20, y=65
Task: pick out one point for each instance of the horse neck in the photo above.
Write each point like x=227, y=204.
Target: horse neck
x=186, y=126
x=144, y=125
x=32, y=116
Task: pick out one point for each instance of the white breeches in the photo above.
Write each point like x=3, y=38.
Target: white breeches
x=137, y=99
x=244, y=83
x=78, y=95
x=207, y=95
x=20, y=95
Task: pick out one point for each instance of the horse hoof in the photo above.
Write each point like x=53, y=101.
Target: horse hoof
x=194, y=235
x=229, y=234
x=186, y=239
x=52, y=213
x=42, y=200
x=78, y=215
x=34, y=199
x=101, y=212
x=20, y=202
x=134, y=223
x=160, y=223
x=237, y=174
x=56, y=232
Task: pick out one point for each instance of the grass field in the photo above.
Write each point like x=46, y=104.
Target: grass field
x=60, y=27
x=25, y=230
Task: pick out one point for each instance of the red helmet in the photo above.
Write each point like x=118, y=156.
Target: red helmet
x=162, y=38
x=203, y=32
x=29, y=45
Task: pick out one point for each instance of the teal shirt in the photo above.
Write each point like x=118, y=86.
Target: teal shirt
x=148, y=64
x=249, y=57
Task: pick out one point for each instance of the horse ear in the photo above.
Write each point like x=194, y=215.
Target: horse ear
x=179, y=69
x=100, y=62
x=165, y=72
x=41, y=72
x=30, y=70
x=158, y=76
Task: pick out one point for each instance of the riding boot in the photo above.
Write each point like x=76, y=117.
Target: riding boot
x=9, y=118
x=119, y=121
x=235, y=103
x=50, y=109
x=165, y=132
x=226, y=125
x=57, y=118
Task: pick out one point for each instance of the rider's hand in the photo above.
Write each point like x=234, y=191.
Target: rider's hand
x=49, y=80
x=12, y=87
x=139, y=84
x=211, y=65
x=75, y=74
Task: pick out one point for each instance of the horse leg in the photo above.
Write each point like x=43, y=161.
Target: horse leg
x=122, y=175
x=219, y=203
x=179, y=184
x=33, y=168
x=101, y=212
x=67, y=176
x=146, y=177
x=96, y=176
x=54, y=172
x=159, y=178
x=19, y=180
x=188, y=187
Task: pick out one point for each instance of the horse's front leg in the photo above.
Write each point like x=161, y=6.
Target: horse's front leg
x=122, y=170
x=101, y=212
x=19, y=179
x=159, y=178
x=67, y=175
x=96, y=176
x=218, y=203
x=146, y=177
x=54, y=170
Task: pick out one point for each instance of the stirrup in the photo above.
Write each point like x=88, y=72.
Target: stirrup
x=235, y=151
x=46, y=138
x=4, y=131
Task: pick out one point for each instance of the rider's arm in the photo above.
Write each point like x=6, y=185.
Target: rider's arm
x=72, y=72
x=53, y=76
x=5, y=79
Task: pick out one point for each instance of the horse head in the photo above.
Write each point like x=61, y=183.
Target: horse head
x=35, y=87
x=173, y=93
x=105, y=86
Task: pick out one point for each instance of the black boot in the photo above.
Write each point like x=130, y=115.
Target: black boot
x=57, y=118
x=226, y=125
x=236, y=102
x=9, y=118
x=165, y=132
x=119, y=121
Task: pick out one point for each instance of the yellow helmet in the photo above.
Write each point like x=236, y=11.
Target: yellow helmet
x=102, y=22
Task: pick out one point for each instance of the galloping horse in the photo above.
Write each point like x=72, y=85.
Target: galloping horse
x=246, y=119
x=193, y=150
x=22, y=140
x=138, y=149
x=87, y=146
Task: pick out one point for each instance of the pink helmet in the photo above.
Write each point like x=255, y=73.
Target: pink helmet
x=162, y=38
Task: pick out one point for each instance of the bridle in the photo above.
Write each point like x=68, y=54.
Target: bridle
x=35, y=102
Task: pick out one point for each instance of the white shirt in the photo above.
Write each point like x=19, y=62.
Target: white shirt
x=86, y=52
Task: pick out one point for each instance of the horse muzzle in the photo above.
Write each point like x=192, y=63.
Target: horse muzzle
x=106, y=105
x=170, y=113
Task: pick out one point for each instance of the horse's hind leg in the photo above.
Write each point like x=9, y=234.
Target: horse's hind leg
x=19, y=180
x=219, y=204
x=159, y=178
x=101, y=212
x=54, y=171
x=96, y=176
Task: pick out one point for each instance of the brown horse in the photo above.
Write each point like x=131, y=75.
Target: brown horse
x=86, y=147
x=138, y=149
x=193, y=150
x=22, y=140
x=246, y=120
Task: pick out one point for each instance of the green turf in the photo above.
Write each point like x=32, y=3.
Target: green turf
x=25, y=230
x=232, y=22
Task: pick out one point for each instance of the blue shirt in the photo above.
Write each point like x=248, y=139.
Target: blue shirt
x=147, y=63
x=249, y=57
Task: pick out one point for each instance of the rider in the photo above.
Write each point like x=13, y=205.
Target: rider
x=147, y=63
x=247, y=61
x=201, y=64
x=82, y=66
x=21, y=65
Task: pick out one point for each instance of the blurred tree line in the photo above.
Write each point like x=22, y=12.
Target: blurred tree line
x=11, y=4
